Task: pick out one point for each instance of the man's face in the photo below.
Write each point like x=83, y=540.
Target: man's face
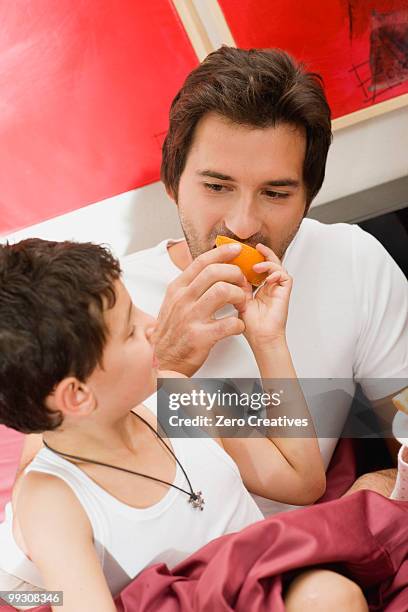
x=242, y=182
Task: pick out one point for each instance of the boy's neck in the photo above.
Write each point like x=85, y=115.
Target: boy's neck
x=93, y=440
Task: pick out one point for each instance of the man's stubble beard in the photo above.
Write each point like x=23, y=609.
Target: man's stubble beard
x=198, y=246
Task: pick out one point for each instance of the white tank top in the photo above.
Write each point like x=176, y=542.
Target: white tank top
x=128, y=539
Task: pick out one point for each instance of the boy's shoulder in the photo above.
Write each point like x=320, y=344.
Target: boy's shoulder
x=44, y=507
x=41, y=488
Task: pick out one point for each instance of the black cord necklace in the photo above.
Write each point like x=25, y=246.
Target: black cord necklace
x=195, y=499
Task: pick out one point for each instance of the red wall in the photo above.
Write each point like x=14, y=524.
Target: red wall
x=85, y=89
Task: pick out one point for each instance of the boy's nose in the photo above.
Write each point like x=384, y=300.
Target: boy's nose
x=150, y=330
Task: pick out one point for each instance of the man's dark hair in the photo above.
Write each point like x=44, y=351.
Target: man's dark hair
x=257, y=88
x=52, y=298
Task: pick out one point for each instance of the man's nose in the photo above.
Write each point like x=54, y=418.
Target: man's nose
x=242, y=219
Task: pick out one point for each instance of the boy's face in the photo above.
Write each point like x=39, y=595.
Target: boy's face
x=128, y=374
x=246, y=183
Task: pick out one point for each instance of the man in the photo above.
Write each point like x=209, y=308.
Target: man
x=244, y=157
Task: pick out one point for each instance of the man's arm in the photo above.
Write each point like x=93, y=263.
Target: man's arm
x=381, y=294
x=59, y=540
x=382, y=482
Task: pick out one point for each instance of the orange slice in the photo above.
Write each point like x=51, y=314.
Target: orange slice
x=245, y=260
x=400, y=401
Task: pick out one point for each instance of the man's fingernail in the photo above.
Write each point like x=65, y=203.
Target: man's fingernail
x=234, y=248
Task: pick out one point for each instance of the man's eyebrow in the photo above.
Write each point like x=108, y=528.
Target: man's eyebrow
x=282, y=182
x=214, y=174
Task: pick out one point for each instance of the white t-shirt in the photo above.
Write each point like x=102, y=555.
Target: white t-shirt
x=348, y=316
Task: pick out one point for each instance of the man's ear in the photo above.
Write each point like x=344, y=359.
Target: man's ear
x=73, y=397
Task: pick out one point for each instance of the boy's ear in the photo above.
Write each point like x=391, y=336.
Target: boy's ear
x=74, y=397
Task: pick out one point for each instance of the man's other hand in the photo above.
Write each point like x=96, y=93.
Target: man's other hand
x=381, y=482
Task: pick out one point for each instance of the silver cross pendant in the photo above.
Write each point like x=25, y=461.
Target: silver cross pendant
x=197, y=500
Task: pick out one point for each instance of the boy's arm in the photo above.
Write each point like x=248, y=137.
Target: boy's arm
x=285, y=469
x=59, y=540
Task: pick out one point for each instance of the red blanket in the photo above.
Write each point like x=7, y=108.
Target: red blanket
x=364, y=536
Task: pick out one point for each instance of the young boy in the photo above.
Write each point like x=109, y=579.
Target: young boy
x=108, y=495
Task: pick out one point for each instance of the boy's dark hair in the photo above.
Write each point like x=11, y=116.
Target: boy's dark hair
x=52, y=297
x=258, y=88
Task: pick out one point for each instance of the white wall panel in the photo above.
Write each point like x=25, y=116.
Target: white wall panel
x=127, y=222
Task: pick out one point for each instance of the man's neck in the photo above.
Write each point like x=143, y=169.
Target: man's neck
x=180, y=255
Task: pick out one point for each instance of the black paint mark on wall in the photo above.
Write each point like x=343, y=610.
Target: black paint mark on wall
x=350, y=16
x=387, y=64
x=388, y=49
